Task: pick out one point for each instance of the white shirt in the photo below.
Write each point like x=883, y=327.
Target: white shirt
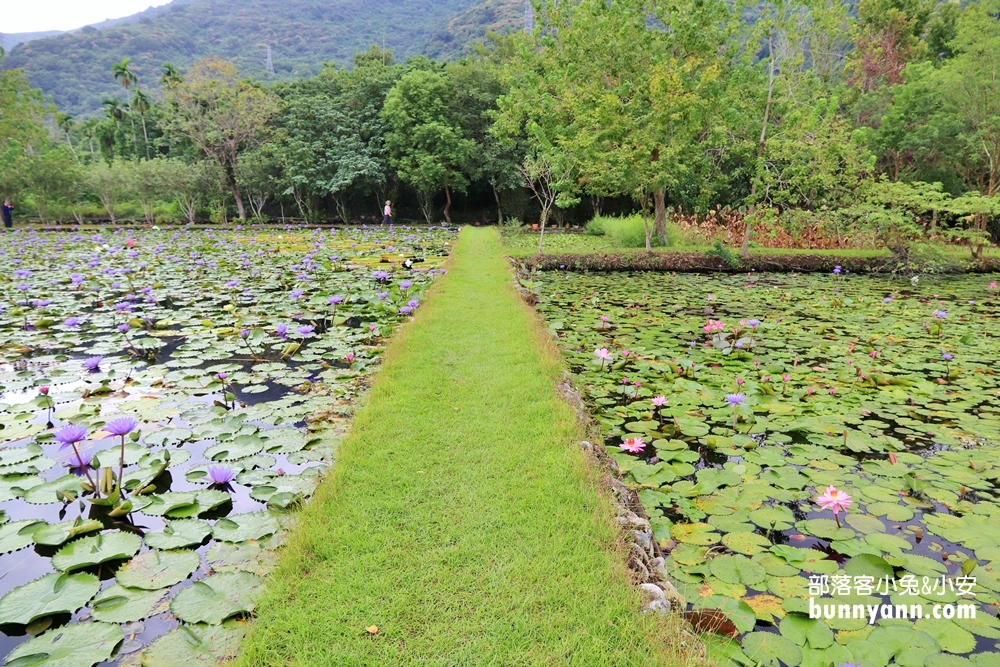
x=388, y=210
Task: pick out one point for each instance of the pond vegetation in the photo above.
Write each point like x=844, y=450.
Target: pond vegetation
x=733, y=403
x=167, y=399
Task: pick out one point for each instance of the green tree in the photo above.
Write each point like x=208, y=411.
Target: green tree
x=426, y=141
x=222, y=115
x=54, y=179
x=22, y=133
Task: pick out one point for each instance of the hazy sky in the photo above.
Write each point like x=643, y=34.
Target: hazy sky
x=37, y=15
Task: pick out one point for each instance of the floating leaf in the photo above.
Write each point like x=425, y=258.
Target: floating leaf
x=17, y=535
x=179, y=534
x=118, y=604
x=158, y=569
x=217, y=598
x=76, y=645
x=767, y=648
x=196, y=645
x=242, y=527
x=90, y=551
x=56, y=593
x=56, y=534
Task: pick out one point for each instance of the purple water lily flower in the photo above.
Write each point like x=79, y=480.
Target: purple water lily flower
x=244, y=333
x=336, y=300
x=405, y=310
x=71, y=322
x=306, y=330
x=405, y=285
x=80, y=459
x=940, y=314
x=70, y=435
x=837, y=269
x=947, y=357
x=736, y=399
x=122, y=426
x=221, y=474
x=123, y=328
x=381, y=276
x=93, y=364
x=412, y=303
x=221, y=376
x=281, y=330
x=382, y=295
x=296, y=294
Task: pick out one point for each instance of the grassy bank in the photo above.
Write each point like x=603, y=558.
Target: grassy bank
x=461, y=518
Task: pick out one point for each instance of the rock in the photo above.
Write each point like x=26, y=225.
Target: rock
x=654, y=592
x=656, y=607
x=633, y=521
x=674, y=597
x=644, y=540
x=587, y=447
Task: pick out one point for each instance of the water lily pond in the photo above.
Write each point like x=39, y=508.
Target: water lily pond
x=731, y=403
x=167, y=399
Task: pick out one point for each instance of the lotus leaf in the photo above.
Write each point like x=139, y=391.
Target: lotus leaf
x=56, y=534
x=77, y=645
x=158, y=569
x=196, y=645
x=17, y=535
x=766, y=648
x=217, y=598
x=97, y=549
x=242, y=527
x=118, y=604
x=179, y=534
x=56, y=593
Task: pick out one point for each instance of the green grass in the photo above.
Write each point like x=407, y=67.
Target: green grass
x=461, y=517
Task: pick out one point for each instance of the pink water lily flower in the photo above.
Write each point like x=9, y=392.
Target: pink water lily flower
x=835, y=500
x=633, y=445
x=659, y=401
x=603, y=354
x=713, y=326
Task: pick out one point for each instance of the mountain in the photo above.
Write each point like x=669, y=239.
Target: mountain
x=75, y=68
x=8, y=40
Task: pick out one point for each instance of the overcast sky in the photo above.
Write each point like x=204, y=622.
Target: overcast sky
x=37, y=15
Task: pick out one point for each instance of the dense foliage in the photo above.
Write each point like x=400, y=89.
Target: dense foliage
x=876, y=129
x=302, y=35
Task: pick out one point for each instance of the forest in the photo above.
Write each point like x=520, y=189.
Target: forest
x=877, y=125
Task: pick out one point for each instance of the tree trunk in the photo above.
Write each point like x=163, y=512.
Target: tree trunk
x=660, y=218
x=748, y=219
x=496, y=195
x=135, y=137
x=234, y=188
x=595, y=202
x=447, y=206
x=541, y=236
x=145, y=136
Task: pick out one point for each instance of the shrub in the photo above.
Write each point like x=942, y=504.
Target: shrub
x=625, y=232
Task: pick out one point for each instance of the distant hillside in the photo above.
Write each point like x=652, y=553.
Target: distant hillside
x=471, y=25
x=8, y=40
x=303, y=34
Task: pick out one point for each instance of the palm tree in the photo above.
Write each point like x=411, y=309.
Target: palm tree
x=89, y=129
x=65, y=123
x=127, y=78
x=142, y=103
x=170, y=77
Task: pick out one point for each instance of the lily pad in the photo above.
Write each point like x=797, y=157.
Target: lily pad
x=17, y=535
x=56, y=593
x=767, y=648
x=76, y=645
x=97, y=549
x=196, y=645
x=242, y=527
x=179, y=534
x=118, y=604
x=218, y=597
x=158, y=569
x=58, y=533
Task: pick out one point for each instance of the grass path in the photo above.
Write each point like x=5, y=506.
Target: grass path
x=461, y=517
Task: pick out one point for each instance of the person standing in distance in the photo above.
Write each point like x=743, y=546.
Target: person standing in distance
x=7, y=212
x=387, y=213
